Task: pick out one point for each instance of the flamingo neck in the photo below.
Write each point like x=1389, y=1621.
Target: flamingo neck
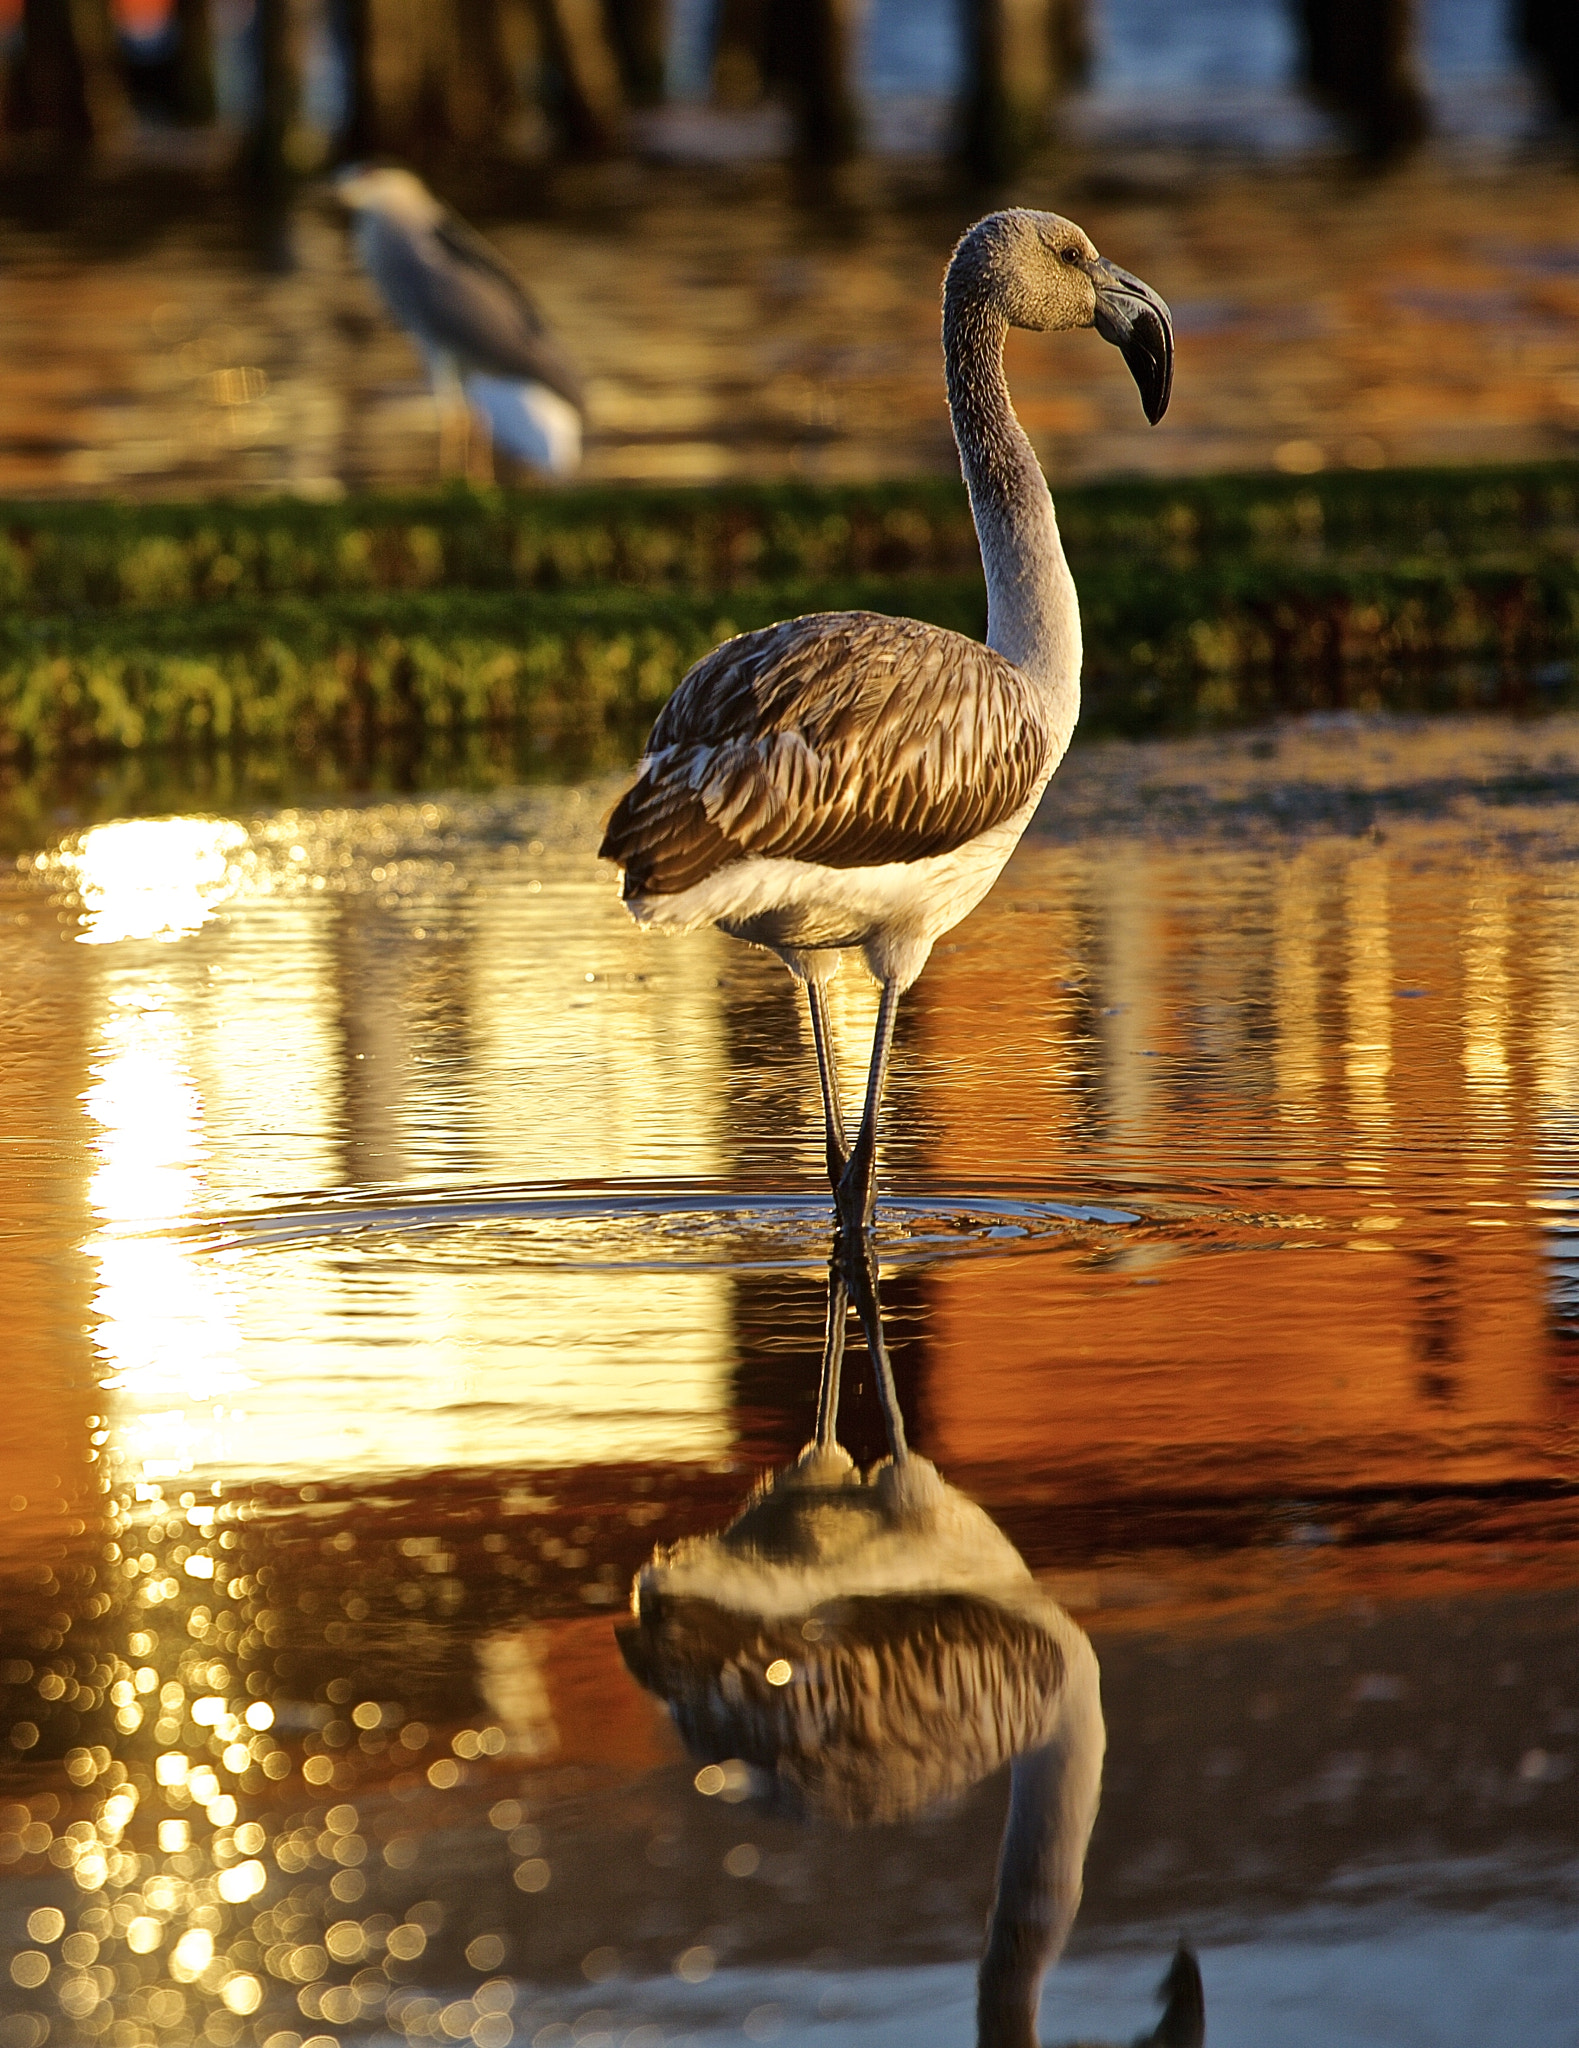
x=1053, y=1798
x=1033, y=614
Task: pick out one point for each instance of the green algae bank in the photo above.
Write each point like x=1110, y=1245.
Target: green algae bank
x=1210, y=599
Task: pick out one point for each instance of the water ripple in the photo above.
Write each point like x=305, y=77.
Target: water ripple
x=699, y=1223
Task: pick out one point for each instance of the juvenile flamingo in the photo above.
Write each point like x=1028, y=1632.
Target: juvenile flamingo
x=852, y=781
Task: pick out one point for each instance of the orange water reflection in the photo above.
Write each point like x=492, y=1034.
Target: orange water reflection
x=310, y=1538
x=1337, y=1077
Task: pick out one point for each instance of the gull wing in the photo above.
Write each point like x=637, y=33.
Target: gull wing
x=452, y=291
x=845, y=738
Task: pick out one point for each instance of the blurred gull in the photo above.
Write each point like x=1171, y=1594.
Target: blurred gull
x=489, y=352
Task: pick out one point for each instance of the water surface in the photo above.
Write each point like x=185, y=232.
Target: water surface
x=400, y=1246
x=728, y=333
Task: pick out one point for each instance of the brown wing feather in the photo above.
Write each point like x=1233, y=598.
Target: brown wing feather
x=845, y=738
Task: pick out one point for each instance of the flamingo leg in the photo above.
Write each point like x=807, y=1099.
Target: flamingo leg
x=832, y=1355
x=857, y=1188
x=828, y=1079
x=861, y=1278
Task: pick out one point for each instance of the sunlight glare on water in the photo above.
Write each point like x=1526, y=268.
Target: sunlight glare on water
x=406, y=1246
x=153, y=878
x=449, y=999
x=224, y=1076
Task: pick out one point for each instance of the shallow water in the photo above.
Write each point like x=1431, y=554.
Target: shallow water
x=400, y=1246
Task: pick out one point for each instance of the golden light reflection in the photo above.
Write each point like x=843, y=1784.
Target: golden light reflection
x=512, y=1682
x=212, y=1074
x=1368, y=995
x=265, y=1011
x=169, y=1866
x=153, y=878
x=591, y=1043
x=852, y=1017
x=1296, y=972
x=164, y=1322
x=219, y=1073
x=149, y=1140
x=220, y=1883
x=1486, y=993
x=165, y=1326
x=1127, y=892
x=1554, y=1024
x=447, y=1358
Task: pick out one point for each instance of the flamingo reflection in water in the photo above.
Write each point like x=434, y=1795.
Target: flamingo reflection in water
x=873, y=1646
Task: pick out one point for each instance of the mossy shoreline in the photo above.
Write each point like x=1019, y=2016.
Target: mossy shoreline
x=128, y=626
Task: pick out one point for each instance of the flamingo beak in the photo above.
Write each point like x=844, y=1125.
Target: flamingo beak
x=1137, y=322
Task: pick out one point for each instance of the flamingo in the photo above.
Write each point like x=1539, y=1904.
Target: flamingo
x=850, y=781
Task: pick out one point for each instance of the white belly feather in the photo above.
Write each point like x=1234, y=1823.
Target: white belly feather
x=895, y=913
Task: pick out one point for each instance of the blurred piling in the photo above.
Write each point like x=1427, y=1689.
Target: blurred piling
x=800, y=52
x=639, y=30
x=480, y=92
x=169, y=73
x=591, y=96
x=193, y=59
x=64, y=90
x=1020, y=56
x=267, y=157
x=1549, y=33
x=423, y=79
x=1360, y=60
x=811, y=46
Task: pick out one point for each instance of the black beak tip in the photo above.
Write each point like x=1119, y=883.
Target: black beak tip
x=1149, y=354
x=1130, y=314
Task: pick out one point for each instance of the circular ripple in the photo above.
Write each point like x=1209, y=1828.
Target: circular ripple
x=674, y=1223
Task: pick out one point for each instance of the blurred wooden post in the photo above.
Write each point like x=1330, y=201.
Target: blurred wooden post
x=1360, y=60
x=479, y=96
x=1070, y=34
x=194, y=61
x=427, y=79
x=593, y=108
x=798, y=50
x=358, y=137
x=103, y=80
x=741, y=58
x=639, y=30
x=1548, y=31
x=53, y=91
x=47, y=87
x=267, y=156
x=64, y=85
x=810, y=47
x=1019, y=55
x=391, y=67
